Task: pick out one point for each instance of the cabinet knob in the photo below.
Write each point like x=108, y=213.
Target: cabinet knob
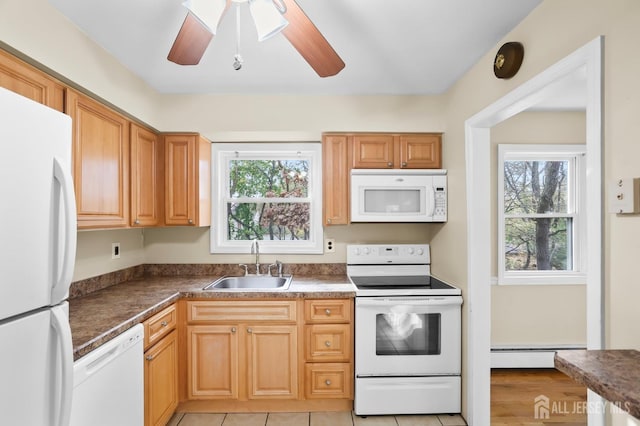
x=190, y=221
x=233, y=329
x=149, y=357
x=164, y=323
x=137, y=222
x=404, y=164
x=249, y=330
x=328, y=312
x=327, y=382
x=389, y=164
x=328, y=220
x=327, y=343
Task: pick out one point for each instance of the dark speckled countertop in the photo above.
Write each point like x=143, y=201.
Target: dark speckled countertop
x=97, y=317
x=612, y=374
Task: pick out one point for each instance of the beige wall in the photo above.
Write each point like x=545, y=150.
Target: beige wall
x=552, y=31
x=549, y=33
x=539, y=315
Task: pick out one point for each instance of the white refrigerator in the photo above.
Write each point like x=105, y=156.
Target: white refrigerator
x=37, y=255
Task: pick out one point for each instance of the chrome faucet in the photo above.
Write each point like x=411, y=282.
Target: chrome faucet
x=278, y=266
x=257, y=252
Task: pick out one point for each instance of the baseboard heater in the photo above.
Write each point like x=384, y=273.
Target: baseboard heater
x=527, y=357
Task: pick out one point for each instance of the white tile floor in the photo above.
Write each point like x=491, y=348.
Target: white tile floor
x=341, y=418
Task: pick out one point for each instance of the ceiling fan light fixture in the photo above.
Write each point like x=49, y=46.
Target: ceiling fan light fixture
x=267, y=18
x=208, y=12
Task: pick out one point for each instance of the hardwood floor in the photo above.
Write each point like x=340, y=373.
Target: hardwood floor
x=514, y=394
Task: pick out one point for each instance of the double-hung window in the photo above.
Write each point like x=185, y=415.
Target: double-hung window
x=541, y=209
x=270, y=192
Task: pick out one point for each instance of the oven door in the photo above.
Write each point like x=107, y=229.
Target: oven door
x=408, y=336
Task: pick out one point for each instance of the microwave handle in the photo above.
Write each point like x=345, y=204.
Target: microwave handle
x=431, y=197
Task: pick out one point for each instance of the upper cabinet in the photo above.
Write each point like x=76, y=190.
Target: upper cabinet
x=335, y=178
x=187, y=180
x=342, y=152
x=147, y=177
x=100, y=163
x=397, y=151
x=22, y=78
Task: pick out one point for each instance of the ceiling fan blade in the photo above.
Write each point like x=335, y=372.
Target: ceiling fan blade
x=309, y=42
x=191, y=42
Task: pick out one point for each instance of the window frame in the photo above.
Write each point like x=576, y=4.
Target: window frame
x=576, y=203
x=221, y=153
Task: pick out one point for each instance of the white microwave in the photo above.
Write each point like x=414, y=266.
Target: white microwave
x=400, y=195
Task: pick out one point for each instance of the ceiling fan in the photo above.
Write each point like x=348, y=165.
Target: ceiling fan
x=270, y=17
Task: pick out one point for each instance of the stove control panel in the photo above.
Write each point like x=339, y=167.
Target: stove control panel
x=380, y=254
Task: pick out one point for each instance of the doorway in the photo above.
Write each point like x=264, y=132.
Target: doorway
x=477, y=154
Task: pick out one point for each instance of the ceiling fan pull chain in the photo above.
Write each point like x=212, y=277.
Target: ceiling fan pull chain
x=237, y=59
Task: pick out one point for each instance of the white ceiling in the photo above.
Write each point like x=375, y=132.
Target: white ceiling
x=389, y=47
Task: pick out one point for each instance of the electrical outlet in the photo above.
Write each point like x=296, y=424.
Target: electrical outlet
x=115, y=250
x=330, y=245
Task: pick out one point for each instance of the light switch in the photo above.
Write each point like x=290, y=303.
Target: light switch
x=624, y=196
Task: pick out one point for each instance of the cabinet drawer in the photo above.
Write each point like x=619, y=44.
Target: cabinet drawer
x=327, y=311
x=328, y=342
x=235, y=311
x=159, y=325
x=328, y=381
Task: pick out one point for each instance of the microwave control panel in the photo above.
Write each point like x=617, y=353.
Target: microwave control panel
x=440, y=202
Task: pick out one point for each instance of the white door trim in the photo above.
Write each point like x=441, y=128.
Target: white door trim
x=477, y=148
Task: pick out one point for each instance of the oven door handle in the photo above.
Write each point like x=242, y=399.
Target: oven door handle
x=410, y=301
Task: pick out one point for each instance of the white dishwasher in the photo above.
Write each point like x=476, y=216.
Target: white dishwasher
x=108, y=383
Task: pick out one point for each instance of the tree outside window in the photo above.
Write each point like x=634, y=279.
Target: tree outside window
x=539, y=209
x=269, y=192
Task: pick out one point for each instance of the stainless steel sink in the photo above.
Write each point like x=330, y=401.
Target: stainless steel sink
x=249, y=282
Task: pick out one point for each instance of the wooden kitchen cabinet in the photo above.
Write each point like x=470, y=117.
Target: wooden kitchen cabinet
x=147, y=177
x=399, y=151
x=335, y=179
x=373, y=151
x=187, y=180
x=24, y=79
x=100, y=162
x=242, y=350
x=328, y=348
x=272, y=361
x=160, y=367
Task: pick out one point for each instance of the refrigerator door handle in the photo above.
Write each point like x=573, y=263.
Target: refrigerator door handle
x=63, y=334
x=62, y=281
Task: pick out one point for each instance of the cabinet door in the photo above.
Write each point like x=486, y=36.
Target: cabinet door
x=335, y=179
x=272, y=358
x=21, y=78
x=180, y=173
x=212, y=362
x=187, y=180
x=161, y=381
x=373, y=152
x=146, y=177
x=422, y=151
x=100, y=163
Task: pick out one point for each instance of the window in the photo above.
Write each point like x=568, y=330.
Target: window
x=266, y=191
x=540, y=214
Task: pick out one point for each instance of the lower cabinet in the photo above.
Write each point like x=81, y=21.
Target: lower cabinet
x=328, y=349
x=244, y=359
x=161, y=380
x=271, y=354
x=160, y=367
